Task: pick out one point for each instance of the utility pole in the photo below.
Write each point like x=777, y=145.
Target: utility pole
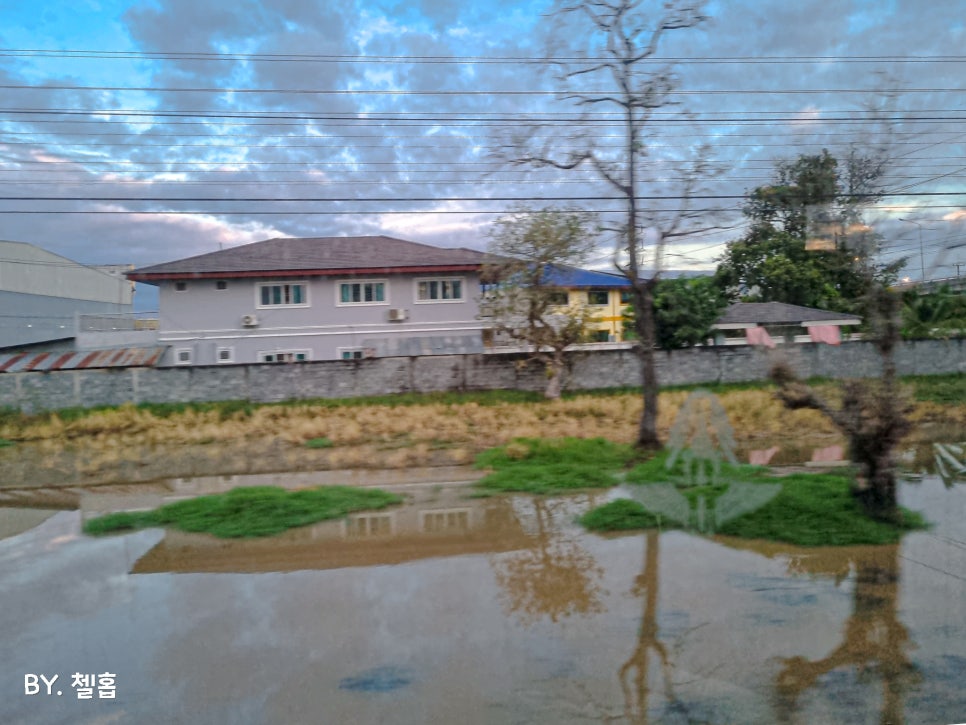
x=922, y=260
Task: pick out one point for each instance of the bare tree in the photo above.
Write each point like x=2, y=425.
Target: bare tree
x=873, y=414
x=522, y=299
x=623, y=41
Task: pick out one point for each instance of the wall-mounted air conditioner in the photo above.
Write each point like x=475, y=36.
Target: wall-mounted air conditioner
x=249, y=321
x=398, y=314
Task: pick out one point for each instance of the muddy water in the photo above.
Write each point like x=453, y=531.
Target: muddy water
x=452, y=609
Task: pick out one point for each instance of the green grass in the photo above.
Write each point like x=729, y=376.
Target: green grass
x=547, y=466
x=818, y=509
x=249, y=512
x=945, y=389
x=4, y=443
x=620, y=515
x=812, y=509
x=654, y=470
x=319, y=443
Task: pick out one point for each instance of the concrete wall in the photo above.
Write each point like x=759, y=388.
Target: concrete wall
x=36, y=391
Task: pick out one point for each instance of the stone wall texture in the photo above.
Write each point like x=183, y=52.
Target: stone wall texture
x=38, y=391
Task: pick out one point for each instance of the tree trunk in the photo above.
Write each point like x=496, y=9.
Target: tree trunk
x=555, y=371
x=647, y=435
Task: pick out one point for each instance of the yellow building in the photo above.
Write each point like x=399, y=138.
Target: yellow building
x=606, y=293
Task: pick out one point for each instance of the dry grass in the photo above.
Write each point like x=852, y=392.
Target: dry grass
x=415, y=434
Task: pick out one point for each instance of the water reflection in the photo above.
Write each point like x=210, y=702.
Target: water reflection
x=553, y=576
x=874, y=644
x=496, y=610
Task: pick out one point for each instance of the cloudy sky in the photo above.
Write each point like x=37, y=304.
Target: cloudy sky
x=141, y=132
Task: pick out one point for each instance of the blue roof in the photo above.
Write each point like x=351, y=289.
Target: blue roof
x=572, y=277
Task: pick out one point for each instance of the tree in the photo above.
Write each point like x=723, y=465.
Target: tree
x=873, y=414
x=520, y=296
x=685, y=309
x=620, y=42
x=771, y=263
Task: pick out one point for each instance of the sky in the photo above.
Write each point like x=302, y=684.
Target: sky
x=141, y=132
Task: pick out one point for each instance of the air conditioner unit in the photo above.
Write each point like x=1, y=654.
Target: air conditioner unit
x=398, y=314
x=249, y=321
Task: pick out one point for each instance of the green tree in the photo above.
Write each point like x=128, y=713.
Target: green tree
x=939, y=314
x=684, y=311
x=770, y=263
x=520, y=297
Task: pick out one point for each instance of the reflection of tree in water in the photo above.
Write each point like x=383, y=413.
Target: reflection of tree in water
x=635, y=672
x=875, y=642
x=555, y=577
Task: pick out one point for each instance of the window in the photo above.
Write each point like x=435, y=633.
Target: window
x=225, y=354
x=601, y=336
x=284, y=356
x=363, y=525
x=182, y=356
x=558, y=297
x=439, y=290
x=596, y=297
x=286, y=294
x=181, y=286
x=366, y=292
x=221, y=284
x=355, y=353
x=627, y=297
x=445, y=520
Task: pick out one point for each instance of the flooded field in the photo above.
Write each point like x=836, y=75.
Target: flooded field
x=494, y=610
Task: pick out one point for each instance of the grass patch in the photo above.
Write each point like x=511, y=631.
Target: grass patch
x=319, y=443
x=620, y=515
x=249, y=512
x=818, y=509
x=812, y=509
x=655, y=470
x=546, y=466
x=4, y=443
x=943, y=389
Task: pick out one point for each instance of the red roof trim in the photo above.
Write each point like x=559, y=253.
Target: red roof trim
x=272, y=274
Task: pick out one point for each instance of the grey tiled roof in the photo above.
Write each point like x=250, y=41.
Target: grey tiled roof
x=777, y=313
x=317, y=253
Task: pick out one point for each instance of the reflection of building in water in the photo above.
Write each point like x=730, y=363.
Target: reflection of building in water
x=437, y=523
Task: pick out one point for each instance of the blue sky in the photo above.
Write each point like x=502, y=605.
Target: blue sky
x=377, y=111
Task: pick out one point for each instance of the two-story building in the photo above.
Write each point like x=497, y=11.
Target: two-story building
x=318, y=298
x=605, y=293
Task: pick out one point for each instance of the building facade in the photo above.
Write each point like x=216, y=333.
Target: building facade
x=42, y=293
x=290, y=300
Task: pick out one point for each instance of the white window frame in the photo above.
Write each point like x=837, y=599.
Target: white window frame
x=260, y=285
x=357, y=353
x=338, y=292
x=361, y=525
x=262, y=354
x=435, y=514
x=419, y=280
x=229, y=359
x=177, y=356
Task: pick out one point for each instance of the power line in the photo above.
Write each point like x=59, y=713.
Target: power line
x=439, y=59
x=461, y=92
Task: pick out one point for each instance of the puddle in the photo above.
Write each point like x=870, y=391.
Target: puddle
x=453, y=609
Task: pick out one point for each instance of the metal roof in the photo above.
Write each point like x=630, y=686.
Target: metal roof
x=562, y=276
x=119, y=357
x=314, y=256
x=780, y=313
